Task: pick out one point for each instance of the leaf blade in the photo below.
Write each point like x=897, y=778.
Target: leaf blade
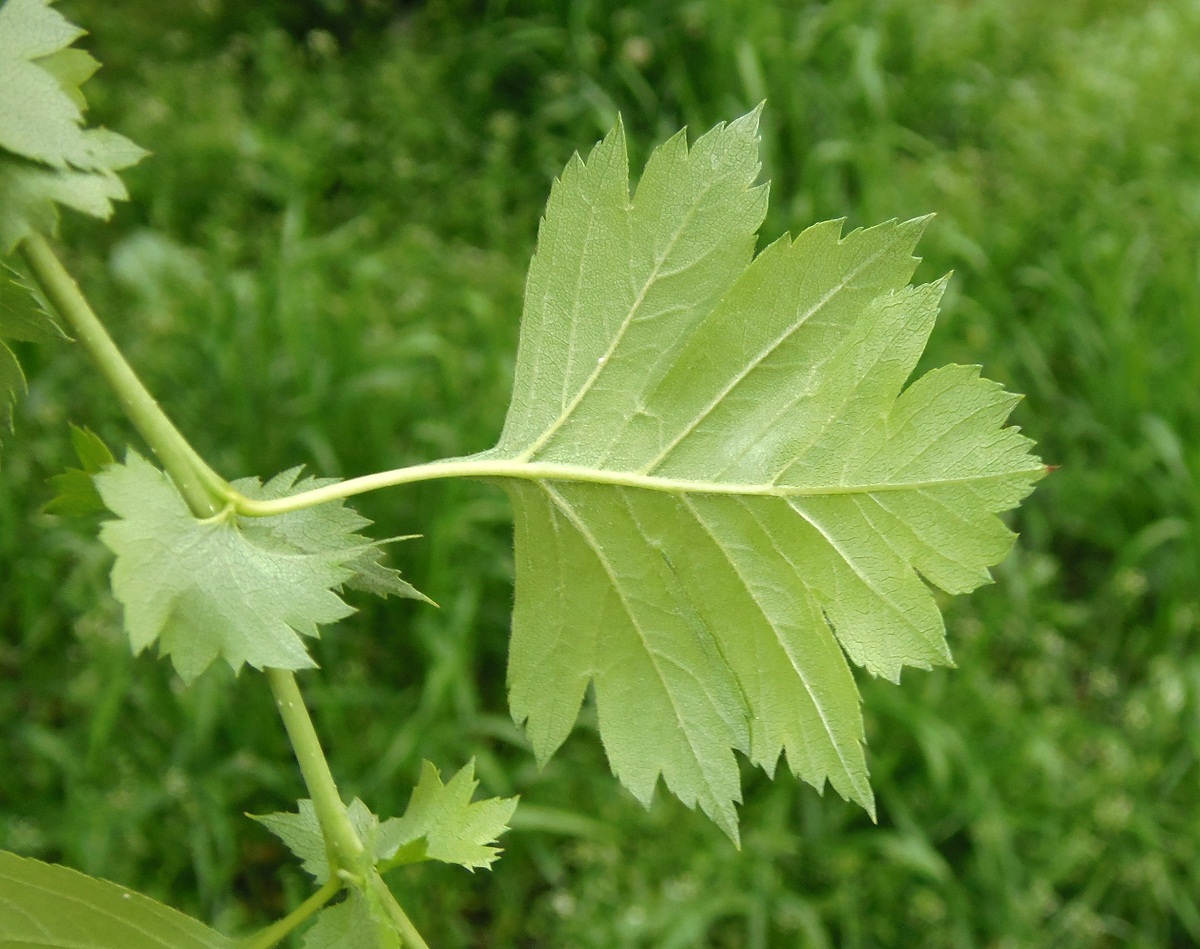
x=242, y=589
x=763, y=431
x=54, y=907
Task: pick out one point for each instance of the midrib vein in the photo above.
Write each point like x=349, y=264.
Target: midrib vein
x=634, y=307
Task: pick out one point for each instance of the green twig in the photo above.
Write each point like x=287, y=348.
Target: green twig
x=197, y=482
x=345, y=849
x=275, y=933
x=404, y=926
x=206, y=494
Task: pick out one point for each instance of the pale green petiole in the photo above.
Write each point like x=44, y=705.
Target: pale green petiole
x=197, y=482
x=279, y=930
x=483, y=468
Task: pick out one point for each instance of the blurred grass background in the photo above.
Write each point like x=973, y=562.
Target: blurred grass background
x=323, y=263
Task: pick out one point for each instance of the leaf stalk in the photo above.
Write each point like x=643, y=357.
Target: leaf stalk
x=345, y=849
x=200, y=486
x=278, y=930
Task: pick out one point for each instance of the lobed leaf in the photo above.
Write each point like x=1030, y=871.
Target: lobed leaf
x=47, y=156
x=23, y=317
x=722, y=488
x=301, y=833
x=242, y=589
x=442, y=823
x=357, y=923
x=50, y=907
x=75, y=493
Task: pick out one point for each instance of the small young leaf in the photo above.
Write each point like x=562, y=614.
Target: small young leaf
x=75, y=493
x=46, y=154
x=721, y=487
x=301, y=833
x=23, y=315
x=442, y=823
x=47, y=906
x=244, y=589
x=357, y=923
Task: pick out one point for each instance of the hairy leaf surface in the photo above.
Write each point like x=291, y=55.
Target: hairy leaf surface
x=47, y=156
x=722, y=488
x=243, y=589
x=50, y=907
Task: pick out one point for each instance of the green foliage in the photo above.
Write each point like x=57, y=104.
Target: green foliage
x=350, y=224
x=729, y=488
x=47, y=157
x=22, y=317
x=440, y=823
x=49, y=906
x=357, y=923
x=240, y=589
x=75, y=489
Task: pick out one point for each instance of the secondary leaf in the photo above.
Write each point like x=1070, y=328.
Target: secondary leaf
x=75, y=493
x=357, y=923
x=22, y=317
x=442, y=823
x=301, y=833
x=47, y=157
x=721, y=487
x=243, y=589
x=51, y=907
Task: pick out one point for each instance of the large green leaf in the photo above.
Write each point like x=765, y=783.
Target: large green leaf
x=721, y=491
x=50, y=907
x=47, y=156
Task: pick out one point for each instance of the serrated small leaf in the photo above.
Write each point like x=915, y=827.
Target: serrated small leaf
x=75, y=493
x=722, y=488
x=12, y=385
x=243, y=589
x=444, y=823
x=301, y=833
x=357, y=923
x=47, y=156
x=23, y=315
x=373, y=576
x=31, y=29
x=43, y=906
x=72, y=68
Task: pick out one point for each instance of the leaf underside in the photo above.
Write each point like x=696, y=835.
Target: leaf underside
x=741, y=492
x=242, y=589
x=47, y=156
x=52, y=907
